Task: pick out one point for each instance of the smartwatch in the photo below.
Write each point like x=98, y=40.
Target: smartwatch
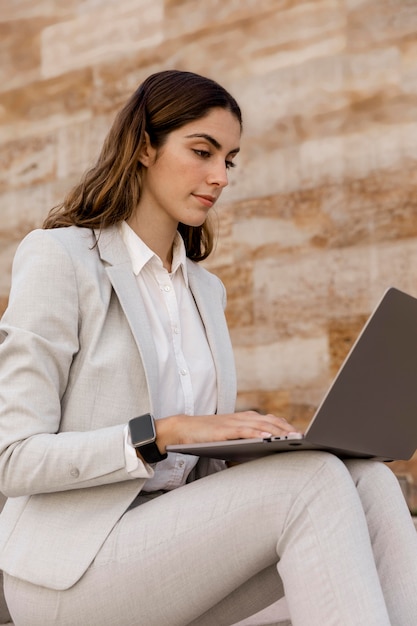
x=143, y=436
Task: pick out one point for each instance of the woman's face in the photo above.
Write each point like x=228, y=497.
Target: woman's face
x=185, y=177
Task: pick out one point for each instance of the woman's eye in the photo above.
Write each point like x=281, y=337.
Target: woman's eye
x=204, y=154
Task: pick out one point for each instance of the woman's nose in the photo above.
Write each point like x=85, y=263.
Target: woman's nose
x=218, y=175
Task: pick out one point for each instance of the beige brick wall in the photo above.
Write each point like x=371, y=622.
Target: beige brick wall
x=320, y=216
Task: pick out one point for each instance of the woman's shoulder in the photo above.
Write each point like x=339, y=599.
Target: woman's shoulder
x=67, y=236
x=49, y=251
x=56, y=243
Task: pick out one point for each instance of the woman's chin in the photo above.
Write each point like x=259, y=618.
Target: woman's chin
x=195, y=221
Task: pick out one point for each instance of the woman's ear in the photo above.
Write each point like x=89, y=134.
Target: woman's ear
x=147, y=153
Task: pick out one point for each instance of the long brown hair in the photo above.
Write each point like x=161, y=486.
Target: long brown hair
x=110, y=191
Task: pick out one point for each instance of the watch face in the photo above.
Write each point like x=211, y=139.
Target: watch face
x=142, y=430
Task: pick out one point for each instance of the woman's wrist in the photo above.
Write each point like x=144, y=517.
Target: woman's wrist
x=166, y=432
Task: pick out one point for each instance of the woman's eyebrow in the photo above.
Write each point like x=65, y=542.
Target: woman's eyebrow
x=211, y=140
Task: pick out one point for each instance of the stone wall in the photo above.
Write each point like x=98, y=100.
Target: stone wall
x=320, y=216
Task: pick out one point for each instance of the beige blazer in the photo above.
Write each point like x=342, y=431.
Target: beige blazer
x=77, y=361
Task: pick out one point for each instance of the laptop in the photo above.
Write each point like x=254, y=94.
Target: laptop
x=369, y=411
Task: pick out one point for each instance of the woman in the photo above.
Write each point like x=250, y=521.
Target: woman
x=112, y=322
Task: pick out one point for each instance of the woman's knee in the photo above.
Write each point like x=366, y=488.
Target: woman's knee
x=375, y=476
x=313, y=461
x=317, y=469
x=303, y=462
x=373, y=481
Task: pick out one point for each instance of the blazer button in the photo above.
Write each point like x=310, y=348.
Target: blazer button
x=75, y=472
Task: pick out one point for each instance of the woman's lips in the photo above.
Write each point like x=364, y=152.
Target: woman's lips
x=207, y=201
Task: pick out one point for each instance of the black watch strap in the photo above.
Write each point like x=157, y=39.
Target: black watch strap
x=143, y=435
x=150, y=453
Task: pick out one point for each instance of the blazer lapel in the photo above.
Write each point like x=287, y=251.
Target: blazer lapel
x=211, y=312
x=119, y=270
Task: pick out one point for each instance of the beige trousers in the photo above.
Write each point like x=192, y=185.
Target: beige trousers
x=337, y=536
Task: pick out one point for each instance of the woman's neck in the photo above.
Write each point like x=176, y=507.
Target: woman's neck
x=159, y=240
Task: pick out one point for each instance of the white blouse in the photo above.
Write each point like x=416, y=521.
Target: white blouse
x=186, y=371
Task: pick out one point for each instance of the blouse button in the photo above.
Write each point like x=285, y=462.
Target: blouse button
x=75, y=472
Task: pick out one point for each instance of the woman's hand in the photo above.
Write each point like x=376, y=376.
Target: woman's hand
x=181, y=429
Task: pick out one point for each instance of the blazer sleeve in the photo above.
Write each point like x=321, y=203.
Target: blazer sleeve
x=38, y=341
